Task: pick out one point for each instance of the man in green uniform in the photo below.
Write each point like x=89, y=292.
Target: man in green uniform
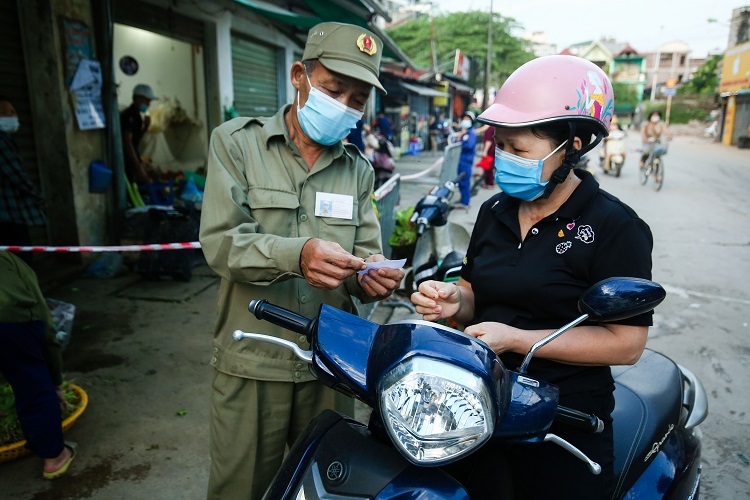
x=265, y=231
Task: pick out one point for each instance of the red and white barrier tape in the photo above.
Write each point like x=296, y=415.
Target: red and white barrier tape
x=152, y=247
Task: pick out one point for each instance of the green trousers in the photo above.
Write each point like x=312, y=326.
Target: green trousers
x=252, y=422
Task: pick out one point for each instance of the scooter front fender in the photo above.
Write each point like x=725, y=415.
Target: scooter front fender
x=337, y=457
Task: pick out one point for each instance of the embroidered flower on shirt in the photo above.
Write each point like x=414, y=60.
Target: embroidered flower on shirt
x=585, y=234
x=563, y=247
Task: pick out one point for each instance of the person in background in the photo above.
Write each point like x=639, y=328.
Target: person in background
x=133, y=124
x=382, y=125
x=468, y=139
x=487, y=162
x=651, y=131
x=31, y=361
x=356, y=136
x=264, y=232
x=21, y=201
x=536, y=247
x=437, y=131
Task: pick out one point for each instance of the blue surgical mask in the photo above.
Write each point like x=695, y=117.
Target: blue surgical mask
x=143, y=108
x=9, y=124
x=324, y=119
x=520, y=177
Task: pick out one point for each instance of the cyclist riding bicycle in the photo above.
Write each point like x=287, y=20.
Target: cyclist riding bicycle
x=651, y=132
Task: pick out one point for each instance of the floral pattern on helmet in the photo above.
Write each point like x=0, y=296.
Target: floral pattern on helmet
x=592, y=98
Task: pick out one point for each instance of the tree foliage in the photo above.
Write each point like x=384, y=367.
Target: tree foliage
x=626, y=97
x=704, y=80
x=466, y=31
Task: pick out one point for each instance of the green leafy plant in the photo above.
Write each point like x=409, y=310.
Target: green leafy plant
x=404, y=234
x=10, y=428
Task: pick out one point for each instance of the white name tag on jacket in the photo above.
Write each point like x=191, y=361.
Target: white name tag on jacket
x=339, y=206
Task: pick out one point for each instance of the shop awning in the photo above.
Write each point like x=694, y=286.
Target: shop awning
x=459, y=86
x=357, y=12
x=425, y=91
x=277, y=13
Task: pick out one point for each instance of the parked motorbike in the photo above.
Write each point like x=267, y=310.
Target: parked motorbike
x=612, y=154
x=583, y=164
x=712, y=130
x=438, y=395
x=441, y=245
x=382, y=158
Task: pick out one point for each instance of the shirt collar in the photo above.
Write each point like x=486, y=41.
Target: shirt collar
x=276, y=126
x=581, y=197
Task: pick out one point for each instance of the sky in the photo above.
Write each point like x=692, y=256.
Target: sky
x=644, y=24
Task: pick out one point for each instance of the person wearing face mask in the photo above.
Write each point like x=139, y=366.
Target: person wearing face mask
x=535, y=248
x=287, y=216
x=468, y=139
x=651, y=131
x=133, y=125
x=21, y=201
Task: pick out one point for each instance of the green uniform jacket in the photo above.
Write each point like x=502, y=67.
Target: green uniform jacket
x=21, y=301
x=258, y=211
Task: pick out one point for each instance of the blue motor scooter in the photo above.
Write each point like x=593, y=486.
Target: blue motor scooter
x=438, y=395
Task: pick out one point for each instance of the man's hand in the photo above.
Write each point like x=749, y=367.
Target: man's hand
x=326, y=265
x=380, y=282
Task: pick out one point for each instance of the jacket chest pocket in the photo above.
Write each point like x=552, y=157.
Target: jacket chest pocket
x=342, y=231
x=275, y=211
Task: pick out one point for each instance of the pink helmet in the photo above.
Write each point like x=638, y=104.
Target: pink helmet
x=552, y=89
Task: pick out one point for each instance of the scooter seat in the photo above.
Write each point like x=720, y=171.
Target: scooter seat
x=648, y=402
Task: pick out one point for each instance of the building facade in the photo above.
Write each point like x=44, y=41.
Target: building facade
x=205, y=60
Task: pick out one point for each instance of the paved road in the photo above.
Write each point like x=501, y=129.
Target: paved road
x=701, y=225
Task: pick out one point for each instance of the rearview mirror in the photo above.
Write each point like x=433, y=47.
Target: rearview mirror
x=615, y=299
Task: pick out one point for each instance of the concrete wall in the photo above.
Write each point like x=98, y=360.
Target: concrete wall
x=64, y=152
x=83, y=146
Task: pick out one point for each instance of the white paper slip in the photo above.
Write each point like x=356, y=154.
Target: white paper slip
x=391, y=264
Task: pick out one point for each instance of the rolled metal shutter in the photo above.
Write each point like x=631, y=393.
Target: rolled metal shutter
x=255, y=77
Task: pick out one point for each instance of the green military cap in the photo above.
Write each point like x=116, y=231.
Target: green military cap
x=346, y=49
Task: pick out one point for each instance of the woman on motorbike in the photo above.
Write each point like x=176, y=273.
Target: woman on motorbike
x=536, y=247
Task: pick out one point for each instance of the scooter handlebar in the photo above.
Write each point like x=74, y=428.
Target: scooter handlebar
x=262, y=309
x=584, y=421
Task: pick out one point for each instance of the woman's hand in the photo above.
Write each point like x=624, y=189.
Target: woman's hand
x=499, y=336
x=437, y=300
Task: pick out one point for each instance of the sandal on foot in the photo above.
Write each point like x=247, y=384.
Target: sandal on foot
x=64, y=468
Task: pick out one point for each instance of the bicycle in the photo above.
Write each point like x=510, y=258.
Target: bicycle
x=654, y=165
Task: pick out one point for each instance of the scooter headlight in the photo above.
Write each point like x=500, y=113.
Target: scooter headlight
x=435, y=412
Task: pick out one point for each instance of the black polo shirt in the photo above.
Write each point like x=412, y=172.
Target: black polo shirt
x=536, y=284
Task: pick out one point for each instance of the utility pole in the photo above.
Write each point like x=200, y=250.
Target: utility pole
x=489, y=63
x=655, y=75
x=433, y=53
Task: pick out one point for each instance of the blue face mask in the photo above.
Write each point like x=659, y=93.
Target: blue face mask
x=9, y=124
x=520, y=177
x=324, y=119
x=143, y=108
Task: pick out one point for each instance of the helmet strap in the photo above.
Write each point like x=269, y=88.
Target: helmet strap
x=572, y=157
